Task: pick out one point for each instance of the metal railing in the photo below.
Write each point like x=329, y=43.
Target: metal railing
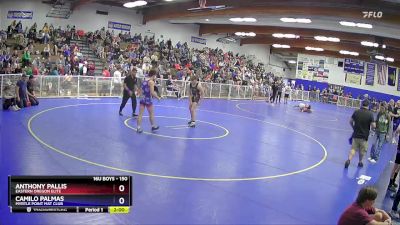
x=89, y=86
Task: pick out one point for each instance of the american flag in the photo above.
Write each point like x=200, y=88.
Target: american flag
x=382, y=74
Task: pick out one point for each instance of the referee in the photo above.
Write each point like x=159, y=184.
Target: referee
x=130, y=84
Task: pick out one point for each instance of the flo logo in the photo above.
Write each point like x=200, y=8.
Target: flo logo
x=373, y=14
x=362, y=179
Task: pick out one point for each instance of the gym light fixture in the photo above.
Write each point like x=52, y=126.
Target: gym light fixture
x=135, y=4
x=383, y=58
x=280, y=46
x=389, y=59
x=345, y=52
x=314, y=49
x=247, y=19
x=295, y=20
x=353, y=24
x=330, y=39
x=279, y=35
x=244, y=34
x=369, y=44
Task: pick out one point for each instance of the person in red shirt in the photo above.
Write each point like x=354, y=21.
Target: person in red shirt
x=106, y=72
x=35, y=71
x=363, y=212
x=105, y=87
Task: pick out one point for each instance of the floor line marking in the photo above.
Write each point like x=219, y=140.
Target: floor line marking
x=259, y=114
x=178, y=177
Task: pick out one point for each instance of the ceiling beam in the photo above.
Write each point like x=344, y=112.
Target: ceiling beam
x=329, y=46
x=286, y=7
x=327, y=54
x=303, y=32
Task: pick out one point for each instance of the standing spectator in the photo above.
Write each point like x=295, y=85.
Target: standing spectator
x=105, y=82
x=279, y=92
x=31, y=91
x=392, y=185
x=139, y=73
x=361, y=121
x=73, y=32
x=274, y=88
x=395, y=114
x=287, y=94
x=117, y=82
x=106, y=72
x=35, y=71
x=391, y=106
x=363, y=212
x=396, y=168
x=26, y=58
x=21, y=92
x=382, y=129
x=91, y=68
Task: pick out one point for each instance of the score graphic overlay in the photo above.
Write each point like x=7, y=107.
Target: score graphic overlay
x=69, y=194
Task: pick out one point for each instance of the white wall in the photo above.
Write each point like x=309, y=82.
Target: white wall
x=85, y=18
x=277, y=66
x=337, y=76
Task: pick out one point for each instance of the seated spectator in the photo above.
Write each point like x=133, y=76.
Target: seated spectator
x=363, y=212
x=32, y=31
x=9, y=100
x=28, y=70
x=46, y=33
x=46, y=51
x=11, y=29
x=172, y=87
x=39, y=36
x=31, y=91
x=18, y=28
x=54, y=71
x=21, y=41
x=17, y=68
x=21, y=92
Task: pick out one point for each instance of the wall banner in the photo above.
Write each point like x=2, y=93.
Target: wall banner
x=370, y=74
x=198, y=40
x=28, y=15
x=392, y=73
x=119, y=26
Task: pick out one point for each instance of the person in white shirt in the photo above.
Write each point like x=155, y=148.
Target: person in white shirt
x=84, y=68
x=287, y=93
x=139, y=73
x=117, y=82
x=146, y=67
